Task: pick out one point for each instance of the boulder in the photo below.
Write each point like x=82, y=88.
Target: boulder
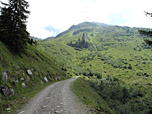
x=5, y=76
x=12, y=92
x=45, y=79
x=17, y=72
x=23, y=85
x=18, y=67
x=22, y=79
x=6, y=91
x=29, y=72
x=8, y=109
x=49, y=77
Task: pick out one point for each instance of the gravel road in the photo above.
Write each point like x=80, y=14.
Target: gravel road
x=55, y=99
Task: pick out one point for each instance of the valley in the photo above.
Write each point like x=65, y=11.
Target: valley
x=98, y=51
x=113, y=62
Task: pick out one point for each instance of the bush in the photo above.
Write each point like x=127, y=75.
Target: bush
x=121, y=99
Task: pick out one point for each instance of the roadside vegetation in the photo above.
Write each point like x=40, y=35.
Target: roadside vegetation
x=109, y=96
x=24, y=70
x=22, y=76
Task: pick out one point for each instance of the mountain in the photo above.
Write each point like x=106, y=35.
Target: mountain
x=34, y=38
x=49, y=38
x=107, y=51
x=82, y=25
x=95, y=39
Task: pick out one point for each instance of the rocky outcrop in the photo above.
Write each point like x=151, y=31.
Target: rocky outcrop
x=6, y=91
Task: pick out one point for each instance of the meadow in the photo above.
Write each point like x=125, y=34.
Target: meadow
x=98, y=51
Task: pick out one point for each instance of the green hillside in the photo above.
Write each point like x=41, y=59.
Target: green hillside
x=23, y=76
x=99, y=51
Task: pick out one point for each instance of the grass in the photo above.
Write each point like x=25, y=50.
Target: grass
x=22, y=97
x=110, y=97
x=118, y=52
x=89, y=96
x=16, y=67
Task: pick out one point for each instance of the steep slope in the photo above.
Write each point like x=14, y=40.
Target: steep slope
x=23, y=76
x=103, y=51
x=104, y=47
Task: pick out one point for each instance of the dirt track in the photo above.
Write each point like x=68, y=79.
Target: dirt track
x=55, y=99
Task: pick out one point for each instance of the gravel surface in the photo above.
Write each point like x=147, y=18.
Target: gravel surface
x=55, y=99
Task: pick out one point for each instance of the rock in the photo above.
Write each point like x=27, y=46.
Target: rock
x=5, y=76
x=18, y=67
x=8, y=109
x=12, y=92
x=45, y=78
x=45, y=106
x=29, y=72
x=23, y=85
x=17, y=72
x=59, y=112
x=6, y=91
x=17, y=81
x=49, y=77
x=22, y=79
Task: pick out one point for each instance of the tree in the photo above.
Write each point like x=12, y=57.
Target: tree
x=147, y=33
x=13, y=28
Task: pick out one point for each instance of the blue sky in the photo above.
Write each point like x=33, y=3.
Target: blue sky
x=49, y=17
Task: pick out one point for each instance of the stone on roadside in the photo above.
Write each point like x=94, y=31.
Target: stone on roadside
x=22, y=79
x=18, y=67
x=8, y=109
x=23, y=85
x=6, y=91
x=12, y=92
x=29, y=72
x=17, y=81
x=5, y=76
x=45, y=78
x=59, y=112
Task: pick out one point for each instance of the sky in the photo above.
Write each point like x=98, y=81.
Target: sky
x=50, y=17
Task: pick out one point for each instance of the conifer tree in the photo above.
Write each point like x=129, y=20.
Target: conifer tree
x=13, y=28
x=147, y=33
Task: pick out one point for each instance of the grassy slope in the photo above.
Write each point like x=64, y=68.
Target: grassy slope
x=115, y=51
x=89, y=96
x=38, y=63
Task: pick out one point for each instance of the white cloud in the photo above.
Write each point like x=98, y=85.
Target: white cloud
x=61, y=14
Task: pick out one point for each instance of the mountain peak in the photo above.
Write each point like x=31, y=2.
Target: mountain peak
x=88, y=24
